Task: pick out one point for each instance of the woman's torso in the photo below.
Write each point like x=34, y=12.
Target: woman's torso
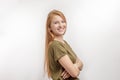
x=55, y=51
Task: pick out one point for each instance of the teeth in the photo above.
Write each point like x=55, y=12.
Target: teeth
x=60, y=30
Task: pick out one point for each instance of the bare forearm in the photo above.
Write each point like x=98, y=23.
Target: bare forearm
x=79, y=64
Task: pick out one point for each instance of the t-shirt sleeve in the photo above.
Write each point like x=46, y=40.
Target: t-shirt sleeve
x=59, y=51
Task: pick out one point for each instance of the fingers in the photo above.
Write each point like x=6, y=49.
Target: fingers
x=65, y=75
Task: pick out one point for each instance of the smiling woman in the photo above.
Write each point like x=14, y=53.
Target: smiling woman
x=61, y=63
x=58, y=25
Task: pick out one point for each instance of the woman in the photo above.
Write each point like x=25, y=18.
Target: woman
x=61, y=63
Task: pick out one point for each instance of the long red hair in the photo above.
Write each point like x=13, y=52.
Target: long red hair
x=50, y=37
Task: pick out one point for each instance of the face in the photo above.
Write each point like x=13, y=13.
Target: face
x=58, y=26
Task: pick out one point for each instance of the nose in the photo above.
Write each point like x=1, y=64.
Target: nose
x=60, y=24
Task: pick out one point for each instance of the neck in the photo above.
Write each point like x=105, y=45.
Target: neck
x=59, y=38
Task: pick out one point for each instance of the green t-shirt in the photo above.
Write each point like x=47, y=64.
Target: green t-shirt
x=55, y=51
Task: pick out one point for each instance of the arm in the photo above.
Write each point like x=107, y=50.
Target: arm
x=67, y=64
x=79, y=64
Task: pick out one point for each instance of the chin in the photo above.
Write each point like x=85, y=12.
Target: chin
x=60, y=34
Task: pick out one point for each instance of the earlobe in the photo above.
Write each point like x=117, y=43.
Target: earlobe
x=49, y=30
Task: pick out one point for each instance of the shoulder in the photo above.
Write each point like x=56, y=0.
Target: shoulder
x=56, y=45
x=53, y=43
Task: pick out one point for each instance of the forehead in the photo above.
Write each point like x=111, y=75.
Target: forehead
x=56, y=17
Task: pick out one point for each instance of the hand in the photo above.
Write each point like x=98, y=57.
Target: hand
x=79, y=64
x=65, y=74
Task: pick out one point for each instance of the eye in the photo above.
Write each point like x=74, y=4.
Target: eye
x=63, y=21
x=55, y=22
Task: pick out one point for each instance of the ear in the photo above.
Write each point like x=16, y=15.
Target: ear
x=49, y=29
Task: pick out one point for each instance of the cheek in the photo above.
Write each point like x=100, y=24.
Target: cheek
x=54, y=26
x=65, y=25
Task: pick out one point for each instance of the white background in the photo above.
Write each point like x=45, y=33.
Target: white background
x=93, y=31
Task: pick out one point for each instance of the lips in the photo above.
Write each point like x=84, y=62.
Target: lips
x=61, y=30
